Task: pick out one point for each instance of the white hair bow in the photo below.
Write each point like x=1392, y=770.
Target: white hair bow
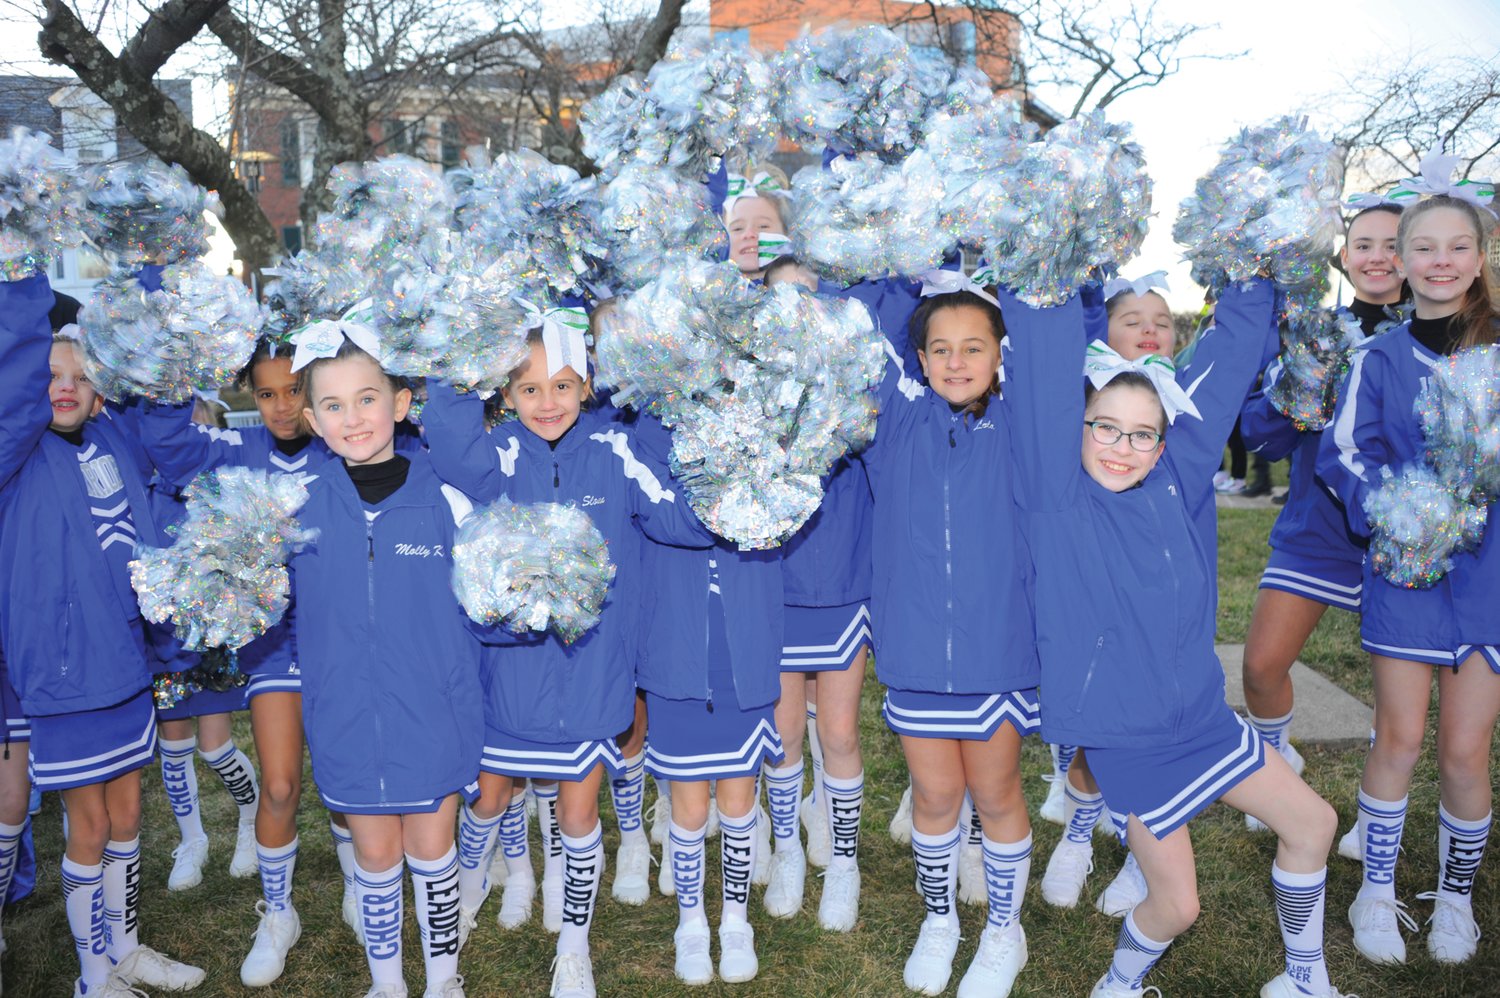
x=1102, y=365
x=1139, y=285
x=322, y=338
x=563, y=340
x=947, y=282
x=1437, y=178
x=1368, y=199
x=740, y=187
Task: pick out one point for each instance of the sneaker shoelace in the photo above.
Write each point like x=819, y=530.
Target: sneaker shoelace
x=567, y=970
x=838, y=885
x=1449, y=918
x=994, y=947
x=692, y=944
x=1075, y=861
x=1384, y=913
x=936, y=941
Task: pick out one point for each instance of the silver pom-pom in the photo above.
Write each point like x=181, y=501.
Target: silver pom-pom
x=40, y=205
x=1417, y=525
x=532, y=568
x=857, y=90
x=692, y=109
x=146, y=211
x=524, y=202
x=1270, y=204
x=648, y=214
x=1459, y=408
x=194, y=334
x=1315, y=355
x=312, y=285
x=394, y=201
x=224, y=581
x=1081, y=200
x=977, y=152
x=864, y=218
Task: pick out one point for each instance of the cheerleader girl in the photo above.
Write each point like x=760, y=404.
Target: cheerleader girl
x=390, y=667
x=755, y=215
x=949, y=587
x=1440, y=251
x=202, y=722
x=73, y=504
x=282, y=444
x=553, y=710
x=1134, y=678
x=1314, y=563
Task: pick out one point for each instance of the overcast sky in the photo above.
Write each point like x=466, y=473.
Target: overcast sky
x=1297, y=50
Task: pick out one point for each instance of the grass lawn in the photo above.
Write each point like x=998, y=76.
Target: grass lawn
x=1234, y=948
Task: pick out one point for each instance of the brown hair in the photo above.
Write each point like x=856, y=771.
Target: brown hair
x=1127, y=379
x=1479, y=313
x=917, y=331
x=346, y=350
x=1118, y=299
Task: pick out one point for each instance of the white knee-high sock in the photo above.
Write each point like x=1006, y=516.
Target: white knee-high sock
x=936, y=857
x=83, y=897
x=815, y=750
x=1081, y=812
x=10, y=851
x=1272, y=729
x=737, y=860
x=1380, y=826
x=628, y=791
x=1299, y=910
x=685, y=853
x=551, y=835
x=238, y=776
x=476, y=847
x=380, y=912
x=276, y=866
x=1460, y=850
x=513, y=844
x=784, y=795
x=343, y=847
x=122, y=896
x=846, y=804
x=179, y=777
x=1007, y=866
x=1135, y=954
x=435, y=899
x=1062, y=759
x=583, y=866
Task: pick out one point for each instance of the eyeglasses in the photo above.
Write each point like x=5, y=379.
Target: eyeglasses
x=1109, y=434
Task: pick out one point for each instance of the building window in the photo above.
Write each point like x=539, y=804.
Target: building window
x=403, y=137
x=291, y=238
x=452, y=143
x=737, y=37
x=291, y=153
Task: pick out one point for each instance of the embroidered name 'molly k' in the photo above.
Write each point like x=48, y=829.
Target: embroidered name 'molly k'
x=420, y=550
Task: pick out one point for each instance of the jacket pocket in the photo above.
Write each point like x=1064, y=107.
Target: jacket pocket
x=1096, y=662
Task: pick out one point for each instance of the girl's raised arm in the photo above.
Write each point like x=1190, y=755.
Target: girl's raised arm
x=25, y=344
x=182, y=449
x=462, y=451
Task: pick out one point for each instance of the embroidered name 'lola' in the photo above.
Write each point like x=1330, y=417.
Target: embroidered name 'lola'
x=420, y=550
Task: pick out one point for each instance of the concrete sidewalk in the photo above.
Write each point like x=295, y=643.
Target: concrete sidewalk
x=1324, y=713
x=1245, y=502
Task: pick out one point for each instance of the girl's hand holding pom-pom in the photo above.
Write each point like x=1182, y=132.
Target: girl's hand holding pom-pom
x=532, y=568
x=1417, y=525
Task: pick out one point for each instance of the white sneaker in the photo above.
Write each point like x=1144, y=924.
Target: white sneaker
x=761, y=875
x=1377, y=929
x=1052, y=808
x=1350, y=847
x=1454, y=936
x=1127, y=890
x=1231, y=487
x=1067, y=869
x=665, y=884
x=349, y=910
x=971, y=886
x=1220, y=477
x=146, y=966
x=387, y=991
x=931, y=961
x=453, y=987
x=838, y=908
x=900, y=826
x=661, y=817
x=1254, y=824
x=187, y=864
x=997, y=962
x=277, y=932
x=693, y=964
x=552, y=904
x=737, y=960
x=112, y=987
x=632, y=871
x=819, y=837
x=244, y=863
x=1284, y=987
x=468, y=921
x=572, y=976
x=515, y=901
x=787, y=881
x=1103, y=989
